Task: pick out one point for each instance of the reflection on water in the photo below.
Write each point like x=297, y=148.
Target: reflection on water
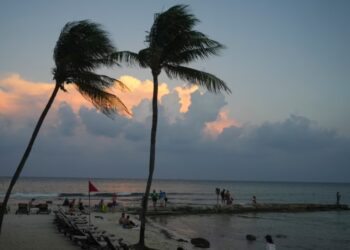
x=321, y=230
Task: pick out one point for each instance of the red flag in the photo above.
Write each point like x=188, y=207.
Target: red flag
x=92, y=188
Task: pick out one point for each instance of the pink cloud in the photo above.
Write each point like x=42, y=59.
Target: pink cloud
x=215, y=128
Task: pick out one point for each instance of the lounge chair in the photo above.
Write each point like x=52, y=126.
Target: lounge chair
x=23, y=208
x=111, y=246
x=43, y=209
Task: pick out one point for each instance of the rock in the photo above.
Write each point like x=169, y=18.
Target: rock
x=250, y=237
x=182, y=240
x=200, y=242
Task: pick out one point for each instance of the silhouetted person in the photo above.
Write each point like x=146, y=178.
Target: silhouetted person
x=254, y=200
x=269, y=243
x=338, y=198
x=222, y=196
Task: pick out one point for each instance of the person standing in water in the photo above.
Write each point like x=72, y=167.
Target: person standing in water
x=269, y=243
x=338, y=198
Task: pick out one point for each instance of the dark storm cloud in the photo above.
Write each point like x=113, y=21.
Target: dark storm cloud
x=98, y=124
x=295, y=149
x=67, y=119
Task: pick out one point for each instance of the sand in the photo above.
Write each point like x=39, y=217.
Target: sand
x=37, y=231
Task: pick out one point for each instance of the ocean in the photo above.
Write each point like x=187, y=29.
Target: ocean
x=313, y=230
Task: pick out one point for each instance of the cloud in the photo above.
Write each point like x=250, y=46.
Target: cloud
x=84, y=142
x=185, y=96
x=215, y=128
x=67, y=120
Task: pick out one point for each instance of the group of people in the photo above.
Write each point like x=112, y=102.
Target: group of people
x=126, y=222
x=101, y=206
x=227, y=197
x=161, y=196
x=72, y=206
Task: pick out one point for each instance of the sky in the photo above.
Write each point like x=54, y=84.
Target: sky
x=287, y=119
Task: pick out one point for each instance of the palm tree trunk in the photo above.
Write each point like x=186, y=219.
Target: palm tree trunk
x=26, y=154
x=152, y=157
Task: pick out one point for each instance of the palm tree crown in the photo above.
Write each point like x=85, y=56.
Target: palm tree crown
x=172, y=42
x=81, y=48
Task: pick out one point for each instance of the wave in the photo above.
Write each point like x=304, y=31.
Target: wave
x=101, y=194
x=31, y=195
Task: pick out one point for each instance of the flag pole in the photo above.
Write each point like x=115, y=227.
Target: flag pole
x=89, y=207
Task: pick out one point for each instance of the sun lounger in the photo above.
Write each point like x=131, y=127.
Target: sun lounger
x=120, y=245
x=43, y=209
x=23, y=208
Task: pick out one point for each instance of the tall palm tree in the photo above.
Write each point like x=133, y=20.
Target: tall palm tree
x=172, y=43
x=81, y=48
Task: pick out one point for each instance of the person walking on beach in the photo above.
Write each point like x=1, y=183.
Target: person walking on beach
x=338, y=198
x=217, y=191
x=269, y=243
x=161, y=198
x=165, y=199
x=227, y=197
x=222, y=196
x=254, y=200
x=154, y=197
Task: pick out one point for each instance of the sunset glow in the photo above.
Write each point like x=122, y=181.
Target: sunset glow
x=185, y=96
x=215, y=128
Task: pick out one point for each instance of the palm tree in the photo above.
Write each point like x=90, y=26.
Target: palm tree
x=172, y=43
x=82, y=47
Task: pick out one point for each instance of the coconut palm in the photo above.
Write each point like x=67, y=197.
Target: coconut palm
x=82, y=47
x=172, y=43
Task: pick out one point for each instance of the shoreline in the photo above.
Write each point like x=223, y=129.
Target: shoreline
x=41, y=230
x=238, y=209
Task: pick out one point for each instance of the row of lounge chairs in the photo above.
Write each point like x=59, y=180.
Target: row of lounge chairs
x=24, y=208
x=77, y=229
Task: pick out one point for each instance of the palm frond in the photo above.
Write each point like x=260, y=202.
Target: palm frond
x=169, y=24
x=107, y=103
x=128, y=57
x=82, y=46
x=80, y=78
x=204, y=79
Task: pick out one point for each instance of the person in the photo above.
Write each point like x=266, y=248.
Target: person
x=227, y=197
x=30, y=203
x=217, y=191
x=222, y=196
x=269, y=243
x=161, y=198
x=81, y=205
x=338, y=198
x=165, y=199
x=102, y=206
x=154, y=197
x=114, y=200
x=71, y=206
x=122, y=219
x=65, y=202
x=254, y=200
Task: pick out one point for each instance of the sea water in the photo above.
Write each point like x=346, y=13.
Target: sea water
x=313, y=230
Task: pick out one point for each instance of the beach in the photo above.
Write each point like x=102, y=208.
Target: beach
x=192, y=212
x=37, y=231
